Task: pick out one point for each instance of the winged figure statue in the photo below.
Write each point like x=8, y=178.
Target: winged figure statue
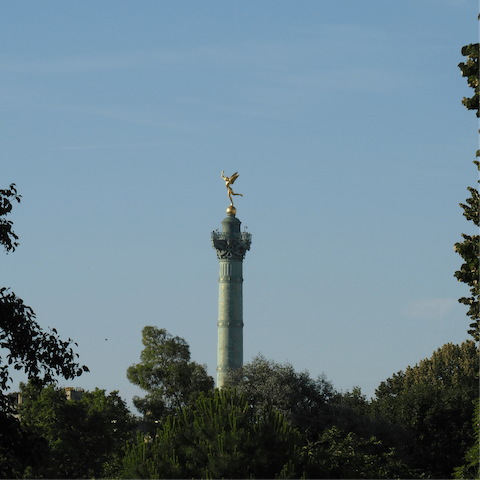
x=229, y=181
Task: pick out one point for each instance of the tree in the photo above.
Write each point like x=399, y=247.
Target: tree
x=219, y=436
x=471, y=466
x=223, y=436
x=434, y=402
x=41, y=355
x=303, y=401
x=352, y=412
x=24, y=346
x=314, y=407
x=469, y=249
x=346, y=455
x=166, y=373
x=82, y=438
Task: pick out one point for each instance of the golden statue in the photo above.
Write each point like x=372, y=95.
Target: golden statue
x=229, y=181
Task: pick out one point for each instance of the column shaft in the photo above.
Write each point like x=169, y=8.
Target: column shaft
x=231, y=246
x=230, y=318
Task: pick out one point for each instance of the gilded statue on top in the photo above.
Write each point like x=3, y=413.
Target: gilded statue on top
x=229, y=181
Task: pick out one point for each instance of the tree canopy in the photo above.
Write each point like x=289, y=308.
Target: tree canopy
x=471, y=465
x=301, y=399
x=81, y=438
x=222, y=436
x=216, y=437
x=313, y=406
x=434, y=402
x=167, y=374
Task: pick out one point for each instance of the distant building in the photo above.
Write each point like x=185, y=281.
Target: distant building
x=74, y=393
x=71, y=393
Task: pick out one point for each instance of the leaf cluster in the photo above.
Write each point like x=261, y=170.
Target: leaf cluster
x=8, y=238
x=469, y=249
x=469, y=272
x=41, y=355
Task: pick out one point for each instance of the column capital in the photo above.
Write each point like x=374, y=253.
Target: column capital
x=231, y=246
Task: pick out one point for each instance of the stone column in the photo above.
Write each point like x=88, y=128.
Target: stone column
x=231, y=246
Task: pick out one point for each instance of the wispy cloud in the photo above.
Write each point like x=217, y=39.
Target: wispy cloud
x=96, y=147
x=270, y=79
x=92, y=63
x=270, y=57
x=430, y=308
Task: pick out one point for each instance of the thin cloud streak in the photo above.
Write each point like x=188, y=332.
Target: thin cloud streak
x=90, y=64
x=275, y=56
x=430, y=308
x=95, y=147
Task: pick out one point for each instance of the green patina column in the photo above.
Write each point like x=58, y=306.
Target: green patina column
x=231, y=246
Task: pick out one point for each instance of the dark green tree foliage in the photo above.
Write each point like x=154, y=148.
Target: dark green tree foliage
x=434, y=402
x=352, y=412
x=310, y=405
x=471, y=466
x=20, y=449
x=41, y=355
x=470, y=69
x=81, y=438
x=218, y=437
x=340, y=455
x=303, y=401
x=24, y=346
x=354, y=400
x=22, y=341
x=7, y=236
x=222, y=436
x=166, y=373
x=469, y=249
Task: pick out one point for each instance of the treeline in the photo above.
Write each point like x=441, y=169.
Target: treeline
x=50, y=436
x=269, y=422
x=274, y=422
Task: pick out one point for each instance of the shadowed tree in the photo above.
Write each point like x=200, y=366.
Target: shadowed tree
x=222, y=436
x=434, y=401
x=26, y=347
x=82, y=438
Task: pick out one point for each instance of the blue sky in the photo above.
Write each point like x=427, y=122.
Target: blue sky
x=344, y=120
